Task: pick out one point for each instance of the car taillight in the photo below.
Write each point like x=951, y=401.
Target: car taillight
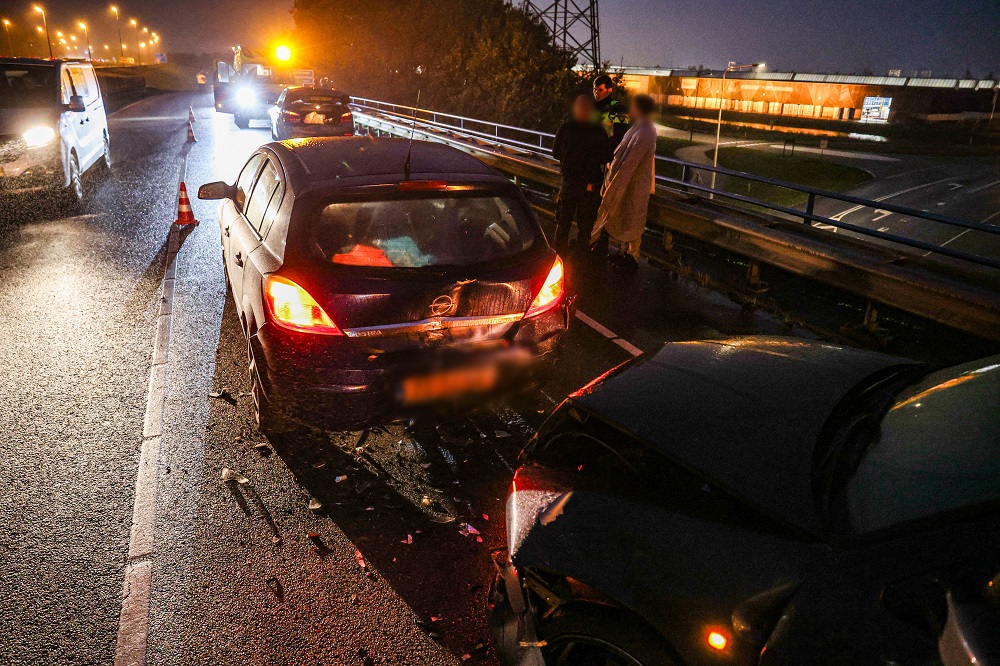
x=291, y=117
x=551, y=292
x=291, y=307
x=346, y=118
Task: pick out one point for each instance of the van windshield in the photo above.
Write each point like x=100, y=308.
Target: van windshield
x=423, y=232
x=26, y=86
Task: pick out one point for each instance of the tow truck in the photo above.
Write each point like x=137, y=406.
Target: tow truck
x=248, y=86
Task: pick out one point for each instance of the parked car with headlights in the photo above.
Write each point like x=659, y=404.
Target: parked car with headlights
x=306, y=111
x=375, y=278
x=753, y=501
x=53, y=126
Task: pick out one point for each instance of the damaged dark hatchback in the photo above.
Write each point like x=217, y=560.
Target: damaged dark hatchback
x=753, y=501
x=375, y=280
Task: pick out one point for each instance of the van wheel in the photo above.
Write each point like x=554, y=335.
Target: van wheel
x=74, y=193
x=241, y=121
x=582, y=633
x=106, y=158
x=269, y=421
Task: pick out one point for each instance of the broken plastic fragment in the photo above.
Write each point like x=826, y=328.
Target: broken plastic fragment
x=408, y=539
x=359, y=558
x=340, y=478
x=465, y=529
x=262, y=448
x=501, y=434
x=229, y=475
x=314, y=505
x=224, y=394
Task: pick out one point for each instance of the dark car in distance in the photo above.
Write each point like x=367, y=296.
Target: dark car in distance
x=375, y=278
x=755, y=501
x=305, y=111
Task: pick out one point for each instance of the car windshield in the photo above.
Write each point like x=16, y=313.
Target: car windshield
x=932, y=449
x=309, y=97
x=423, y=232
x=25, y=86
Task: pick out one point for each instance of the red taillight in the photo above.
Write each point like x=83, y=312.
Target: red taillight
x=551, y=292
x=291, y=307
x=422, y=185
x=346, y=118
x=291, y=117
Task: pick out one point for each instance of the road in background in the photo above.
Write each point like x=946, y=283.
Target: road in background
x=325, y=548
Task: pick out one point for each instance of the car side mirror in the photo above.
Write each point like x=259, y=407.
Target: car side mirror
x=216, y=190
x=76, y=103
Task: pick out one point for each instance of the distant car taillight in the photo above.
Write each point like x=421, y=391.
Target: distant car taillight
x=551, y=292
x=291, y=307
x=291, y=117
x=347, y=117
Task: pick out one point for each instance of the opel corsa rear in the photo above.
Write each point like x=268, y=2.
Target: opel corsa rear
x=374, y=281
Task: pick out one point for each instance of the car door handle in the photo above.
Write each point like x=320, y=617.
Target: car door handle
x=238, y=258
x=225, y=230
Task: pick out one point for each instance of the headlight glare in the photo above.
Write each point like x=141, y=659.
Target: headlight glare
x=245, y=97
x=38, y=136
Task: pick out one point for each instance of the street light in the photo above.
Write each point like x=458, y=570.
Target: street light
x=86, y=33
x=135, y=25
x=283, y=53
x=45, y=23
x=732, y=67
x=6, y=29
x=118, y=20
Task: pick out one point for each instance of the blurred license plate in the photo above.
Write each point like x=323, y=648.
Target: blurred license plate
x=315, y=118
x=448, y=384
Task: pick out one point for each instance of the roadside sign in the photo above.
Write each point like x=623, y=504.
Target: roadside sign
x=823, y=143
x=303, y=77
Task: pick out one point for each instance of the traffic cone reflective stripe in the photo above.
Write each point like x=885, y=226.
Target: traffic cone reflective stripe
x=191, y=138
x=191, y=117
x=184, y=213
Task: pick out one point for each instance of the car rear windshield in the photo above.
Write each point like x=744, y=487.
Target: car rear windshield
x=24, y=86
x=311, y=98
x=423, y=232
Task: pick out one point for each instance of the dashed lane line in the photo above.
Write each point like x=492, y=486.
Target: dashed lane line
x=609, y=334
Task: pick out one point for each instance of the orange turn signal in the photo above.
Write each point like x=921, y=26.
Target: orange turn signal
x=717, y=641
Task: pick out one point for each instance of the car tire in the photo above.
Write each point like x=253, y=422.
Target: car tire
x=74, y=193
x=274, y=135
x=593, y=634
x=243, y=122
x=269, y=421
x=106, y=157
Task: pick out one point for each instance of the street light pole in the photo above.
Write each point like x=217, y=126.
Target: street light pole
x=86, y=35
x=732, y=67
x=45, y=23
x=6, y=29
x=135, y=26
x=121, y=44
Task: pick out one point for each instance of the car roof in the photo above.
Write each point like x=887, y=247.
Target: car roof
x=30, y=61
x=744, y=412
x=345, y=161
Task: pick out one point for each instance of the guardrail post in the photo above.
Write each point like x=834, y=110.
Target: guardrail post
x=870, y=322
x=810, y=205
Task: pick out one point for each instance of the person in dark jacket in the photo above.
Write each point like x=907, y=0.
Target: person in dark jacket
x=611, y=113
x=581, y=146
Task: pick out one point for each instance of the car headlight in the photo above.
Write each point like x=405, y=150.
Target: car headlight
x=38, y=136
x=245, y=97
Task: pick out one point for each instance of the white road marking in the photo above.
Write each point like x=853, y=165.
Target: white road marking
x=965, y=231
x=984, y=187
x=869, y=157
x=133, y=622
x=955, y=186
x=609, y=334
x=839, y=217
x=883, y=229
x=879, y=214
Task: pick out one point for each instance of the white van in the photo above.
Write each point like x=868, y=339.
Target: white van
x=53, y=126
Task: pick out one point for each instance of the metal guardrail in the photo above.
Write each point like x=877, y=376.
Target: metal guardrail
x=497, y=134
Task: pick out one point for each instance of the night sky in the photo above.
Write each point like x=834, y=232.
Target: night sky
x=944, y=36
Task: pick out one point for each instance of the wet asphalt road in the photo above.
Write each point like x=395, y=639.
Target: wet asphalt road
x=268, y=571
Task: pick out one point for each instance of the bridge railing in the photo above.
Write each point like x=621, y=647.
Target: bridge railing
x=536, y=146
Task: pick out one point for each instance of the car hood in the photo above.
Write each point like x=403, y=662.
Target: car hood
x=745, y=412
x=18, y=121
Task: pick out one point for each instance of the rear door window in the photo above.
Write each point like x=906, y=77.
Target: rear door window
x=93, y=90
x=267, y=184
x=423, y=232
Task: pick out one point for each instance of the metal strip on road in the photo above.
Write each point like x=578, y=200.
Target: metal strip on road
x=133, y=622
x=609, y=334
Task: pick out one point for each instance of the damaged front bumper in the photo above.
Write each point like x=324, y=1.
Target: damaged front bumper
x=511, y=617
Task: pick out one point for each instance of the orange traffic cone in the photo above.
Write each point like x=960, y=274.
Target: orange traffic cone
x=191, y=117
x=184, y=213
x=191, y=138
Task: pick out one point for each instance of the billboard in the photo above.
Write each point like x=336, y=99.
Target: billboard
x=876, y=109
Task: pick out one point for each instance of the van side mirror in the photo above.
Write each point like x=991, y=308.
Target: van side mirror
x=216, y=190
x=76, y=103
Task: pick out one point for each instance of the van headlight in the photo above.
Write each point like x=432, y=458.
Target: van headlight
x=38, y=136
x=245, y=97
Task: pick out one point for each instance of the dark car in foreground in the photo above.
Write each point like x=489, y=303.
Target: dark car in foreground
x=375, y=279
x=306, y=111
x=754, y=500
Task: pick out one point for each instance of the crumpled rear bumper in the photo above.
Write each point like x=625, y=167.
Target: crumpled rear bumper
x=511, y=618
